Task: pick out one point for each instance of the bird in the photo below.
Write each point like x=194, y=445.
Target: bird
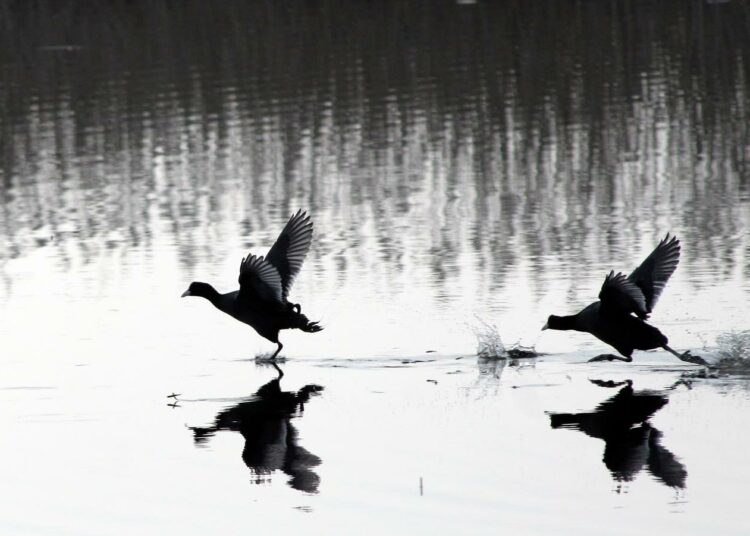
x=262, y=299
x=618, y=318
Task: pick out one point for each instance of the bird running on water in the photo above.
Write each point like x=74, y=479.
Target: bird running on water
x=612, y=320
x=262, y=300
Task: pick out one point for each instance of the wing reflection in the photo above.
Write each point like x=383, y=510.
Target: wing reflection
x=630, y=441
x=264, y=420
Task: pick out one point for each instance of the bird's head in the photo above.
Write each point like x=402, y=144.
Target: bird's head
x=204, y=290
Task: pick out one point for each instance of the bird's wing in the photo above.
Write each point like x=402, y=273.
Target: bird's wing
x=259, y=280
x=621, y=294
x=290, y=249
x=653, y=273
x=663, y=464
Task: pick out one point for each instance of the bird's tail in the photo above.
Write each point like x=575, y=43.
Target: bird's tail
x=300, y=321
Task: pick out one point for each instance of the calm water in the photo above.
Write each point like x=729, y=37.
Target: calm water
x=463, y=164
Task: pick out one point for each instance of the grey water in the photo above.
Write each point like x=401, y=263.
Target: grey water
x=469, y=167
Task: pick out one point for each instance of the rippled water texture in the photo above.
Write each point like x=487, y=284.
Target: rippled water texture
x=467, y=165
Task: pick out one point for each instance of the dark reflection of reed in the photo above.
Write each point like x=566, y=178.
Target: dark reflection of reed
x=463, y=137
x=631, y=443
x=271, y=441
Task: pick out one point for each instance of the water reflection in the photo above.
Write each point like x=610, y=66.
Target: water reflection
x=631, y=442
x=488, y=158
x=271, y=441
x=451, y=138
x=491, y=368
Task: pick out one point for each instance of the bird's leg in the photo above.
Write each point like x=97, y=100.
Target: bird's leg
x=687, y=356
x=610, y=357
x=281, y=372
x=273, y=357
x=297, y=307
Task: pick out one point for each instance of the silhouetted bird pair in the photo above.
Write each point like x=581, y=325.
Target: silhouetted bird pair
x=617, y=319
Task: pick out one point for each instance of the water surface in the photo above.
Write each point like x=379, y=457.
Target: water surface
x=490, y=161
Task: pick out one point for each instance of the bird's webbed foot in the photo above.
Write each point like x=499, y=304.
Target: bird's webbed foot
x=611, y=383
x=609, y=357
x=687, y=357
x=690, y=358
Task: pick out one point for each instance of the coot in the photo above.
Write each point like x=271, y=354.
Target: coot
x=618, y=318
x=262, y=300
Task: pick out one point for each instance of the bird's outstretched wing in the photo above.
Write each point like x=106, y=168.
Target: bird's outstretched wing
x=290, y=249
x=663, y=464
x=259, y=280
x=619, y=293
x=653, y=273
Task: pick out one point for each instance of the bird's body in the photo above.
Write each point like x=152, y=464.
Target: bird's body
x=618, y=318
x=261, y=301
x=624, y=332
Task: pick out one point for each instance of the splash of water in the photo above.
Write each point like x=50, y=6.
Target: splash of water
x=490, y=345
x=264, y=358
x=734, y=350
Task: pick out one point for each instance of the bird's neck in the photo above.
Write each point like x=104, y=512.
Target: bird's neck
x=211, y=294
x=565, y=323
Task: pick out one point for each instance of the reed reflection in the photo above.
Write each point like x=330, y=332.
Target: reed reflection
x=271, y=440
x=631, y=442
x=381, y=120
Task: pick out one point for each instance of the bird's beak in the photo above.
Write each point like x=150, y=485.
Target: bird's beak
x=545, y=326
x=186, y=293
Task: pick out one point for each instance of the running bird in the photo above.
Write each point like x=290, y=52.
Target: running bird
x=611, y=319
x=261, y=302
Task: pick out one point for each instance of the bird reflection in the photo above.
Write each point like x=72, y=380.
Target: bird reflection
x=630, y=441
x=264, y=420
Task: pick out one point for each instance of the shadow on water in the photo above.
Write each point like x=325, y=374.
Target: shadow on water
x=631, y=442
x=271, y=441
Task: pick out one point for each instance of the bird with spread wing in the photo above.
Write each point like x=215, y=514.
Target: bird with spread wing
x=618, y=318
x=262, y=299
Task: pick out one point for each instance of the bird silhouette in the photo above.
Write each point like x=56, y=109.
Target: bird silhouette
x=262, y=299
x=618, y=318
x=271, y=441
x=631, y=442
